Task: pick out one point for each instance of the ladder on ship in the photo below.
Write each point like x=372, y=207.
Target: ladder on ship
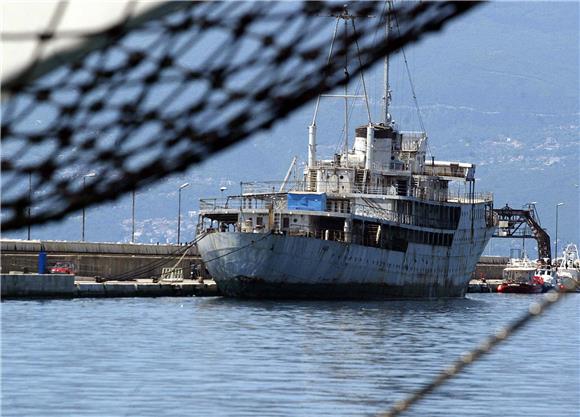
x=360, y=179
x=313, y=179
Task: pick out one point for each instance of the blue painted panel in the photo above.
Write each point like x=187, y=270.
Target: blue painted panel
x=42, y=262
x=307, y=201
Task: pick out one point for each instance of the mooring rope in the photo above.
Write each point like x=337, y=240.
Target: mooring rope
x=148, y=268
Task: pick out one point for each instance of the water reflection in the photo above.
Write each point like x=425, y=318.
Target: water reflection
x=216, y=357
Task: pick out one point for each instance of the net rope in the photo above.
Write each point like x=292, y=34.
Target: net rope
x=535, y=310
x=160, y=91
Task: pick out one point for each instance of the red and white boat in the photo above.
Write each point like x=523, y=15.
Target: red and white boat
x=520, y=277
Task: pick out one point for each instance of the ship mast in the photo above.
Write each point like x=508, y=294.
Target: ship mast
x=347, y=81
x=312, y=128
x=387, y=92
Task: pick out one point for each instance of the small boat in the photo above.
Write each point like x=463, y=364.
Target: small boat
x=568, y=273
x=520, y=277
x=548, y=276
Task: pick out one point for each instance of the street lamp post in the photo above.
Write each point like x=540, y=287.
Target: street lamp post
x=557, y=207
x=133, y=216
x=90, y=175
x=181, y=187
x=29, y=201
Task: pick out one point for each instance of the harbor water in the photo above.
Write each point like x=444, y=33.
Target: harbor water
x=225, y=357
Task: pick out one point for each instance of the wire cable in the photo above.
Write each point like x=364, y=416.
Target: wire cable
x=534, y=310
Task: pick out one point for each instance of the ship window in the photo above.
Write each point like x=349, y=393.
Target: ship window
x=259, y=220
x=286, y=222
x=295, y=220
x=341, y=177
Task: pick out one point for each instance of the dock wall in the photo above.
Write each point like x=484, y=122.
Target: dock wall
x=490, y=267
x=36, y=285
x=109, y=260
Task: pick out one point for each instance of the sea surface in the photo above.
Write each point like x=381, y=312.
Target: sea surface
x=223, y=357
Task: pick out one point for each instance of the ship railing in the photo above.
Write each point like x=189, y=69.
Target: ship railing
x=361, y=189
x=260, y=195
x=412, y=141
x=245, y=202
x=234, y=203
x=396, y=168
x=323, y=234
x=469, y=198
x=207, y=204
x=272, y=187
x=455, y=171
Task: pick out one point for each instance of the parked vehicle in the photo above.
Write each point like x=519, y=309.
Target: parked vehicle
x=63, y=267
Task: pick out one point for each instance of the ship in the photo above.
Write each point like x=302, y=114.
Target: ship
x=378, y=220
x=520, y=277
x=568, y=270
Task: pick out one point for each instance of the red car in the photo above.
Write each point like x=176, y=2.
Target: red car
x=63, y=268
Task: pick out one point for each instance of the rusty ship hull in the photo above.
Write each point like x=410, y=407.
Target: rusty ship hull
x=276, y=266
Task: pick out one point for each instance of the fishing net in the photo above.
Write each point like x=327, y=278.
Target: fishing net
x=163, y=89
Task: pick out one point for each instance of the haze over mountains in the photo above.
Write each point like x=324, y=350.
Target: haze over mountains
x=499, y=88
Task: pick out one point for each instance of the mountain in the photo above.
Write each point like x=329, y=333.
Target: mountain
x=499, y=87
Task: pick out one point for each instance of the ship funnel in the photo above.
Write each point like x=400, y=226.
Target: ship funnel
x=311, y=146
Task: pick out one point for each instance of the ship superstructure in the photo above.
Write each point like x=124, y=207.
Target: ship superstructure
x=378, y=220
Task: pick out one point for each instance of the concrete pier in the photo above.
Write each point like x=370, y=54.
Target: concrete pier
x=36, y=285
x=22, y=286
x=483, y=286
x=144, y=288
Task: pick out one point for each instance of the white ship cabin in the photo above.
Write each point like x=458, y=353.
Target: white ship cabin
x=382, y=192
